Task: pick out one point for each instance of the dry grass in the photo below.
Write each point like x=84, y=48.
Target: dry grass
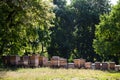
x=57, y=74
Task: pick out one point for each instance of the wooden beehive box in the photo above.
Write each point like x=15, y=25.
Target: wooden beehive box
x=48, y=64
x=88, y=65
x=117, y=67
x=71, y=65
x=97, y=65
x=63, y=62
x=93, y=66
x=4, y=60
x=43, y=61
x=26, y=60
x=55, y=61
x=7, y=60
x=105, y=66
x=77, y=63
x=112, y=65
x=34, y=60
x=82, y=63
x=20, y=62
x=14, y=60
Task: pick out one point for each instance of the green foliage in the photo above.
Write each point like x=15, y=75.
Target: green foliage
x=62, y=34
x=30, y=26
x=73, y=33
x=107, y=42
x=87, y=14
x=19, y=20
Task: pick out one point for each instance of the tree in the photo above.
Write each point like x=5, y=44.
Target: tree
x=62, y=33
x=73, y=33
x=87, y=14
x=18, y=21
x=107, y=35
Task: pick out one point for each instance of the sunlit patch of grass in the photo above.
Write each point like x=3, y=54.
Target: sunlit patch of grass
x=57, y=74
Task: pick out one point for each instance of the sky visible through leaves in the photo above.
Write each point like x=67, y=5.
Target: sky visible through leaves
x=112, y=1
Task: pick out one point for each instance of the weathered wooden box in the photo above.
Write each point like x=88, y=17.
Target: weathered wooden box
x=63, y=62
x=55, y=61
x=105, y=66
x=26, y=61
x=14, y=60
x=71, y=65
x=77, y=63
x=48, y=64
x=97, y=65
x=117, y=67
x=88, y=65
x=6, y=60
x=82, y=63
x=112, y=65
x=43, y=61
x=34, y=60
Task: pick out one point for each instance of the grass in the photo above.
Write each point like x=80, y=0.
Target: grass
x=57, y=74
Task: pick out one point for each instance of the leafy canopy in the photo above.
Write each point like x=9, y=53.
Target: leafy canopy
x=18, y=21
x=107, y=34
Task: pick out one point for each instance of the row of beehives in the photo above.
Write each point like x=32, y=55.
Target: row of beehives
x=24, y=61
x=81, y=63
x=55, y=62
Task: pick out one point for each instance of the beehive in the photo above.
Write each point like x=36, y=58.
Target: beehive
x=82, y=63
x=14, y=60
x=117, y=67
x=97, y=65
x=20, y=62
x=63, y=62
x=26, y=61
x=55, y=61
x=5, y=60
x=43, y=61
x=93, y=66
x=48, y=64
x=34, y=60
x=71, y=65
x=88, y=65
x=77, y=63
x=112, y=65
x=105, y=65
